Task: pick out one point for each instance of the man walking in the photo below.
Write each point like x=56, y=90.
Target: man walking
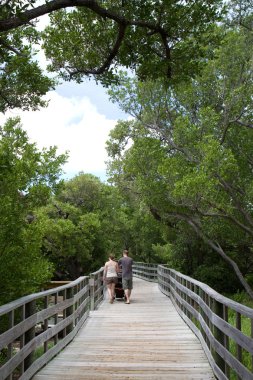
x=126, y=263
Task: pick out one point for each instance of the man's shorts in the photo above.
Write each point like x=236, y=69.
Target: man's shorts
x=127, y=283
x=111, y=280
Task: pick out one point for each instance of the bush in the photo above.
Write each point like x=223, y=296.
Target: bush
x=218, y=277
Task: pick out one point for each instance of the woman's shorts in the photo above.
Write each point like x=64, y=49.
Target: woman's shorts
x=111, y=280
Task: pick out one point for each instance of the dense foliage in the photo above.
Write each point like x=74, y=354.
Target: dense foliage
x=28, y=177
x=87, y=220
x=189, y=159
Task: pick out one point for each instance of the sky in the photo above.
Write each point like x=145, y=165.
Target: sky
x=78, y=119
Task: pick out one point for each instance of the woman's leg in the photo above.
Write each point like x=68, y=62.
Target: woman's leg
x=109, y=287
x=113, y=291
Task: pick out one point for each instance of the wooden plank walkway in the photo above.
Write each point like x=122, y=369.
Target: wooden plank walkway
x=144, y=340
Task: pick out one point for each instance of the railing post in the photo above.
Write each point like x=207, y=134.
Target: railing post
x=30, y=309
x=251, y=325
x=69, y=310
x=10, y=346
x=92, y=292
x=238, y=347
x=201, y=312
x=170, y=283
x=22, y=338
x=46, y=303
x=56, y=318
x=217, y=308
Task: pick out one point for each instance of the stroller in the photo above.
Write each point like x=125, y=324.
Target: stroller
x=119, y=291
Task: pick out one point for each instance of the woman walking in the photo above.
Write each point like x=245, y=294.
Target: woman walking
x=110, y=277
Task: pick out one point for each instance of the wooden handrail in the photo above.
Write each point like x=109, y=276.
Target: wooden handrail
x=45, y=321
x=97, y=288
x=146, y=271
x=207, y=313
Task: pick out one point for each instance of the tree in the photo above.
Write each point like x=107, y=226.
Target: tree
x=154, y=38
x=22, y=82
x=28, y=177
x=190, y=155
x=70, y=239
x=85, y=222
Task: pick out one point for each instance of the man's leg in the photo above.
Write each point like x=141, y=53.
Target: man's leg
x=127, y=286
x=128, y=294
x=129, y=290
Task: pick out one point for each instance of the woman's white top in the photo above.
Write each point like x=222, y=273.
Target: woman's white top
x=111, y=270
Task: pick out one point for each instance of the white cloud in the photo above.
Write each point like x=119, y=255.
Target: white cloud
x=74, y=125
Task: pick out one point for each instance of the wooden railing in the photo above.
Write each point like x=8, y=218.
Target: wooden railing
x=36, y=327
x=48, y=321
x=96, y=288
x=218, y=322
x=145, y=271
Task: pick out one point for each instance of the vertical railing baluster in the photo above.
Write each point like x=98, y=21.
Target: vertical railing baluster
x=226, y=343
x=251, y=323
x=64, y=312
x=78, y=303
x=179, y=281
x=195, y=303
x=22, y=338
x=169, y=280
x=45, y=324
x=217, y=308
x=70, y=309
x=10, y=345
x=209, y=324
x=201, y=312
x=92, y=292
x=182, y=295
x=30, y=309
x=56, y=317
x=238, y=347
x=189, y=301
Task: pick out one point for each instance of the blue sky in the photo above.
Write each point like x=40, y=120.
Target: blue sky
x=96, y=94
x=78, y=119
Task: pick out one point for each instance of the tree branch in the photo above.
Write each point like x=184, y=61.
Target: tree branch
x=229, y=217
x=50, y=6
x=11, y=48
x=196, y=226
x=216, y=247
x=243, y=124
x=110, y=57
x=231, y=191
x=55, y=5
x=167, y=52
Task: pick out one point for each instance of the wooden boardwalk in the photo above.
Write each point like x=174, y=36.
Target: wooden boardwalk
x=144, y=340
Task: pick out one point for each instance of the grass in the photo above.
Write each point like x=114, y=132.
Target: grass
x=245, y=328
x=40, y=351
x=241, y=298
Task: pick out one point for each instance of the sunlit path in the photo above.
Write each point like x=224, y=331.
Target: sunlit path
x=144, y=340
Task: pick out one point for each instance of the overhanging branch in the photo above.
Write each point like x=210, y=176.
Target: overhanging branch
x=109, y=59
